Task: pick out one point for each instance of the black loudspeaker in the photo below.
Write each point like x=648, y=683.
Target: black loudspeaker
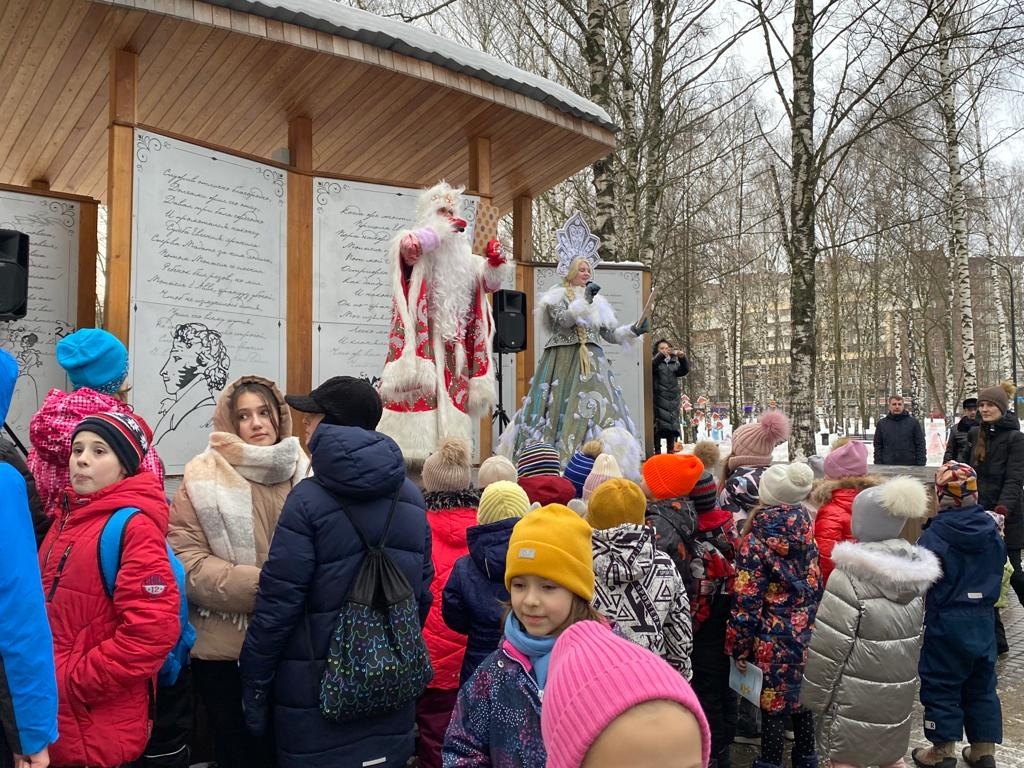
x=509, y=321
x=13, y=274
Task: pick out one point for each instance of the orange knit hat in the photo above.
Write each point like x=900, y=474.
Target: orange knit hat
x=671, y=475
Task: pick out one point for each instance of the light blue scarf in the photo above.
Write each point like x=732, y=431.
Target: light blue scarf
x=536, y=649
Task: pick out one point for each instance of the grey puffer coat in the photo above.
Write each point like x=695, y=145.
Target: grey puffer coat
x=861, y=674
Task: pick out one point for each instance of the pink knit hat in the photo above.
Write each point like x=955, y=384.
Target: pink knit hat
x=752, y=444
x=848, y=460
x=596, y=676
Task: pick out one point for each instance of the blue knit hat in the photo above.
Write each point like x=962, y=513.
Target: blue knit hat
x=538, y=459
x=95, y=359
x=577, y=469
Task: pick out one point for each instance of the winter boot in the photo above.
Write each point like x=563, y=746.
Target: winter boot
x=980, y=755
x=941, y=755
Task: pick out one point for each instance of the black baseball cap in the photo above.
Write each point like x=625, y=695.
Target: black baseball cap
x=971, y=402
x=346, y=401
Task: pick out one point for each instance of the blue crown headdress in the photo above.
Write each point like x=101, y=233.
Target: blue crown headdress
x=575, y=240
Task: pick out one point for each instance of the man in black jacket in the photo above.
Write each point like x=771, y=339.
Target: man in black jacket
x=667, y=367
x=956, y=447
x=899, y=438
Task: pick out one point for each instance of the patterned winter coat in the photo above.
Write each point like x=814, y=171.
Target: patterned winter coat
x=739, y=492
x=475, y=594
x=873, y=609
x=712, y=569
x=639, y=589
x=449, y=515
x=833, y=521
x=777, y=589
x=496, y=721
x=50, y=433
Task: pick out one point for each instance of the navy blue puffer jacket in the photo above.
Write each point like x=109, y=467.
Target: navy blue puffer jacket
x=475, y=592
x=314, y=557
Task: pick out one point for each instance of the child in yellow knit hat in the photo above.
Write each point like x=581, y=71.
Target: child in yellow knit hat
x=549, y=572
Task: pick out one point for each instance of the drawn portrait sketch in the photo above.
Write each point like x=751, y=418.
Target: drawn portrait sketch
x=196, y=370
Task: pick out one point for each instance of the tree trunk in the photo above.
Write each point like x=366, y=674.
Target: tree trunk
x=957, y=202
x=803, y=246
x=595, y=49
x=996, y=278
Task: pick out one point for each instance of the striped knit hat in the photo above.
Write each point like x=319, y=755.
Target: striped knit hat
x=704, y=494
x=577, y=469
x=538, y=459
x=127, y=435
x=605, y=468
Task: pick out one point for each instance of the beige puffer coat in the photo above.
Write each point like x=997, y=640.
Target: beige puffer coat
x=222, y=593
x=861, y=674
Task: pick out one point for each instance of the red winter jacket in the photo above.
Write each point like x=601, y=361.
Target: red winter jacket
x=833, y=523
x=107, y=651
x=449, y=514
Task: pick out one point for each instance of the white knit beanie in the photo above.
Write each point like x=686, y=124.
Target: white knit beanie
x=785, y=484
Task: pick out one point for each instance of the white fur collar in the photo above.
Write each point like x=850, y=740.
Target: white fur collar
x=596, y=314
x=894, y=566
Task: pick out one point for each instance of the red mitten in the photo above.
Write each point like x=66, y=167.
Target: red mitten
x=410, y=249
x=1001, y=510
x=494, y=255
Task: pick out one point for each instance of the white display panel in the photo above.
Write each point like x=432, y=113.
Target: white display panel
x=52, y=225
x=209, y=284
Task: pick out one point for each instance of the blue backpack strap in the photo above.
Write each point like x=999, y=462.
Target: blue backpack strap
x=111, y=543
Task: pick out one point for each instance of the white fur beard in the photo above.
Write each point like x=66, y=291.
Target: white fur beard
x=453, y=280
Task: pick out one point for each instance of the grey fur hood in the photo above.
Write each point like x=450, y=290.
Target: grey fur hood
x=901, y=571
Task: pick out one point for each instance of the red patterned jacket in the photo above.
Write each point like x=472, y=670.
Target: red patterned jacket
x=107, y=651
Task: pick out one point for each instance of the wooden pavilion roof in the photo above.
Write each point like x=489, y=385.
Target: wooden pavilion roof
x=234, y=79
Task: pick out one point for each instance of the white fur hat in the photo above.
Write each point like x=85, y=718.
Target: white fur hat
x=880, y=512
x=785, y=484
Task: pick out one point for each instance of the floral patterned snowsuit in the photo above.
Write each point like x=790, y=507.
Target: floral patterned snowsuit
x=777, y=590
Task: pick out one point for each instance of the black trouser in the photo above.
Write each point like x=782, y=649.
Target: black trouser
x=1017, y=579
x=773, y=741
x=168, y=745
x=669, y=438
x=711, y=680
x=220, y=687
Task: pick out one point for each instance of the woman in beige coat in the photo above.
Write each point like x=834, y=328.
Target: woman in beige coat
x=222, y=520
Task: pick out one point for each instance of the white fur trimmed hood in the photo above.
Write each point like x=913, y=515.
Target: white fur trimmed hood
x=897, y=568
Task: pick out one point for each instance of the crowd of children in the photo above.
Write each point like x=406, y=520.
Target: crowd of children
x=589, y=615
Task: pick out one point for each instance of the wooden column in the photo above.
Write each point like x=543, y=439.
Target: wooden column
x=480, y=182
x=480, y=165
x=86, y=312
x=300, y=262
x=123, y=102
x=522, y=247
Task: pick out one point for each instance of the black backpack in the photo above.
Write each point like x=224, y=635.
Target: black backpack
x=377, y=661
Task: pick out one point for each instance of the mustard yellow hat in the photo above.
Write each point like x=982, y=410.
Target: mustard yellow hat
x=616, y=502
x=553, y=542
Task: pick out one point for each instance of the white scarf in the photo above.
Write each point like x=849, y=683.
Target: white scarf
x=219, y=487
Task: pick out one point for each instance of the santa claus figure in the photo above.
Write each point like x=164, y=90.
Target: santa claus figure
x=438, y=375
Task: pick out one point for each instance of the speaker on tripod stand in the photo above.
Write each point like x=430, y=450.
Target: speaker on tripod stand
x=509, y=338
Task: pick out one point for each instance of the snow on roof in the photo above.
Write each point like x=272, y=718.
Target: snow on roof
x=331, y=17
